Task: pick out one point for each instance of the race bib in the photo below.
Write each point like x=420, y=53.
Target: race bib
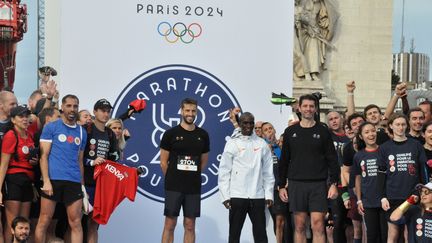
x=187, y=163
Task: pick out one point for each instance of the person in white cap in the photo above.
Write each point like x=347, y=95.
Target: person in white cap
x=418, y=216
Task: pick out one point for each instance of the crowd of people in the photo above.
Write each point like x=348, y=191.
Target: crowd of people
x=359, y=177
x=49, y=155
x=351, y=179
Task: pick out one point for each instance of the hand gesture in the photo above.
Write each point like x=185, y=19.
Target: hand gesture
x=350, y=86
x=400, y=90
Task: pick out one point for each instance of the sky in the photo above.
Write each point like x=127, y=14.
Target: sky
x=417, y=18
x=417, y=21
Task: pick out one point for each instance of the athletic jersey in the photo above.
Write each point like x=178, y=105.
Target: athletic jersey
x=405, y=166
x=99, y=144
x=419, y=225
x=308, y=154
x=114, y=182
x=66, y=143
x=366, y=165
x=21, y=165
x=339, y=141
x=184, y=162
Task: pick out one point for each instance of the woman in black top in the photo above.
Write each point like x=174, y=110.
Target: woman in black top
x=365, y=169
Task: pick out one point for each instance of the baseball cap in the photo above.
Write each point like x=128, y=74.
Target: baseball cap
x=102, y=103
x=427, y=186
x=19, y=111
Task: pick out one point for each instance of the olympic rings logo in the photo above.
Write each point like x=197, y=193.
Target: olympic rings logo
x=179, y=31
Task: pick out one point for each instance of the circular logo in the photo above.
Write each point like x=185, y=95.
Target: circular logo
x=419, y=233
x=392, y=169
x=391, y=157
x=364, y=174
x=25, y=150
x=392, y=162
x=77, y=141
x=419, y=226
x=62, y=138
x=419, y=221
x=91, y=153
x=362, y=163
x=164, y=88
x=92, y=141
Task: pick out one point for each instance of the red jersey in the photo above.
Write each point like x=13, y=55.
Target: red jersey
x=114, y=182
x=24, y=146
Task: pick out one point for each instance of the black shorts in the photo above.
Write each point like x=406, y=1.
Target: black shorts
x=18, y=187
x=279, y=207
x=191, y=204
x=307, y=196
x=65, y=191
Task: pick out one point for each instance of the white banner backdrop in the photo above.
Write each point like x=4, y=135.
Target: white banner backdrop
x=222, y=53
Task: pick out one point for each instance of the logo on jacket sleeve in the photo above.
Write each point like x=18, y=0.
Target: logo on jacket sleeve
x=164, y=88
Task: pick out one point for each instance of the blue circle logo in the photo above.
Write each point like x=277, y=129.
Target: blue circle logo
x=164, y=88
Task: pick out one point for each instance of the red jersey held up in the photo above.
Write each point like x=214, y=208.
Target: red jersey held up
x=114, y=182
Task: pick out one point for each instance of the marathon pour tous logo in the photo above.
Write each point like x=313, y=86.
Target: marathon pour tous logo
x=163, y=88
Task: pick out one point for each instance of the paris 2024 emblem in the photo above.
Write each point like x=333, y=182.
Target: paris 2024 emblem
x=164, y=88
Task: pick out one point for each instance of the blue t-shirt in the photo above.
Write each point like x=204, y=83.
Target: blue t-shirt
x=66, y=143
x=366, y=165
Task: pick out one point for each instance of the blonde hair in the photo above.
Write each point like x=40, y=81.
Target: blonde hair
x=121, y=139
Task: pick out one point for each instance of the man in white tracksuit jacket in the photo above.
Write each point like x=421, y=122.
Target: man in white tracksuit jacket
x=246, y=180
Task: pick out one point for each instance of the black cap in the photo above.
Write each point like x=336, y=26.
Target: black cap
x=19, y=111
x=101, y=104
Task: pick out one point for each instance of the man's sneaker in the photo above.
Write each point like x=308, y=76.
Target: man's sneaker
x=282, y=99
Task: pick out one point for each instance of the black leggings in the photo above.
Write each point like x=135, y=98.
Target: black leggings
x=376, y=225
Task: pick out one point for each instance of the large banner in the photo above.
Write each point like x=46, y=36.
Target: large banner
x=223, y=53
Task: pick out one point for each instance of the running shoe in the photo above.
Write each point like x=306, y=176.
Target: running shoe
x=282, y=99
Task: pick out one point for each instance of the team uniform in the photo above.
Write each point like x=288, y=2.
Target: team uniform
x=404, y=166
x=366, y=166
x=246, y=179
x=63, y=168
x=183, y=176
x=20, y=174
x=308, y=160
x=114, y=183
